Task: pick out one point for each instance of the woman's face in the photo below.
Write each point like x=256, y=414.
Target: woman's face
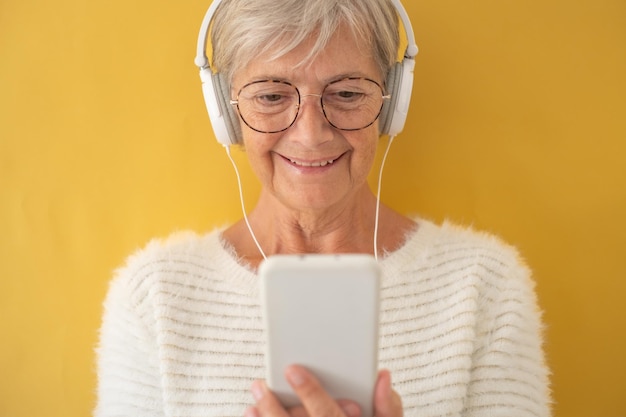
x=312, y=165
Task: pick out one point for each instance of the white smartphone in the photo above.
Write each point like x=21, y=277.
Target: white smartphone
x=321, y=311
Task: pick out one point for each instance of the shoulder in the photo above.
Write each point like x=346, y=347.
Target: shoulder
x=180, y=255
x=449, y=238
x=180, y=248
x=468, y=241
x=184, y=245
x=487, y=248
x=466, y=253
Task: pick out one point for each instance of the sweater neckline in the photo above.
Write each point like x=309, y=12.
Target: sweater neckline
x=243, y=274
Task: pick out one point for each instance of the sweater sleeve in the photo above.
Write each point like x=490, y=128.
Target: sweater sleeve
x=128, y=370
x=509, y=375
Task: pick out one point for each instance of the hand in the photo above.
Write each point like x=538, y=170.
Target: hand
x=317, y=403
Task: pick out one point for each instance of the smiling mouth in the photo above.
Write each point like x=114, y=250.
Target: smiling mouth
x=313, y=164
x=316, y=164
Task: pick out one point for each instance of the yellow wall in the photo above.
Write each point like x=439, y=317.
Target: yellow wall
x=518, y=126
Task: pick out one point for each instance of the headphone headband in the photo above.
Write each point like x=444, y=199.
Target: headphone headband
x=202, y=61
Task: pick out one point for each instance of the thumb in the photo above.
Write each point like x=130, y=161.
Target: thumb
x=387, y=402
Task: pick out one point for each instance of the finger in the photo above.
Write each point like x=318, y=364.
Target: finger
x=266, y=402
x=387, y=402
x=251, y=412
x=349, y=408
x=315, y=400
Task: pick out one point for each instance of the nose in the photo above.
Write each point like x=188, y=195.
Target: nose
x=301, y=106
x=311, y=126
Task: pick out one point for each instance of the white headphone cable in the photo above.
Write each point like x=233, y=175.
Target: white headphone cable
x=243, y=207
x=380, y=182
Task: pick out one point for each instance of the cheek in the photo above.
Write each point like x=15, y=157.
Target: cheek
x=365, y=150
x=257, y=147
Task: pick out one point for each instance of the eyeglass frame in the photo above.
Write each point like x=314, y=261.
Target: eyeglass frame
x=384, y=97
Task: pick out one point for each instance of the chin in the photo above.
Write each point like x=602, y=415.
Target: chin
x=307, y=198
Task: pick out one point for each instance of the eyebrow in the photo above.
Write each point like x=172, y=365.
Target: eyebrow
x=336, y=77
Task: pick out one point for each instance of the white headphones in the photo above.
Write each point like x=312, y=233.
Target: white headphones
x=224, y=118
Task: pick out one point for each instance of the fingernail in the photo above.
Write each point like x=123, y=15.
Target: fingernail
x=386, y=376
x=251, y=412
x=351, y=410
x=257, y=390
x=295, y=376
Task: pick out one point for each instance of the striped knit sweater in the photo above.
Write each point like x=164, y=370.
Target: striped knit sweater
x=460, y=329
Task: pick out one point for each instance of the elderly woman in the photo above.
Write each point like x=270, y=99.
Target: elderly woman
x=460, y=331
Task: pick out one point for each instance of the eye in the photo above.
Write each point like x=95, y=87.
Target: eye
x=351, y=92
x=268, y=94
x=332, y=96
x=344, y=99
x=348, y=94
x=269, y=98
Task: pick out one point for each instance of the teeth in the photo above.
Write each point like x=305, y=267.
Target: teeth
x=311, y=164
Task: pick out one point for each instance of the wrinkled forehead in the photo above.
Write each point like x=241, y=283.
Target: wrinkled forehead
x=341, y=58
x=343, y=49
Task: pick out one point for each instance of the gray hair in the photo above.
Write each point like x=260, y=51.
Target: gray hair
x=245, y=29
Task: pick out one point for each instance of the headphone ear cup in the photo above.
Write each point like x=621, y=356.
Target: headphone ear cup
x=231, y=118
x=223, y=117
x=400, y=86
x=391, y=87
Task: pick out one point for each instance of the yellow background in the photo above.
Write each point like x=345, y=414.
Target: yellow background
x=517, y=126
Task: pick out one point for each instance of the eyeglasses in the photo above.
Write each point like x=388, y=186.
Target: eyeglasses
x=271, y=106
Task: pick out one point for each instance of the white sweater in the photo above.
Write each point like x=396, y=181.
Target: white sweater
x=460, y=330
